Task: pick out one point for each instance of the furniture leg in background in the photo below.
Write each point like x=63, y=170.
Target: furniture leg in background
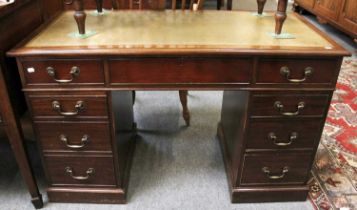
x=261, y=4
x=15, y=136
x=220, y=3
x=185, y=112
x=79, y=14
x=99, y=5
x=18, y=20
x=280, y=16
x=229, y=4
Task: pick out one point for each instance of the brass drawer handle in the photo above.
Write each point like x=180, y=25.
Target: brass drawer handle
x=285, y=71
x=89, y=173
x=84, y=141
x=78, y=108
x=272, y=136
x=280, y=107
x=267, y=171
x=75, y=71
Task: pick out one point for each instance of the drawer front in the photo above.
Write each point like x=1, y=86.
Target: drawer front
x=275, y=169
x=176, y=70
x=63, y=72
x=80, y=170
x=283, y=134
x=298, y=71
x=74, y=136
x=289, y=105
x=69, y=107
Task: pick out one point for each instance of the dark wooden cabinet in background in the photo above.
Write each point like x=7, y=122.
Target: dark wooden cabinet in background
x=348, y=16
x=306, y=3
x=341, y=14
x=328, y=8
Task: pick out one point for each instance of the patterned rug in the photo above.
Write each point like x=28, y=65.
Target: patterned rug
x=334, y=176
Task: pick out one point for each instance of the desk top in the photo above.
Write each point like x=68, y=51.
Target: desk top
x=138, y=32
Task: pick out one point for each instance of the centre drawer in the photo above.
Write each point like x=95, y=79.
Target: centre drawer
x=87, y=170
x=289, y=105
x=63, y=72
x=275, y=168
x=180, y=70
x=74, y=136
x=69, y=106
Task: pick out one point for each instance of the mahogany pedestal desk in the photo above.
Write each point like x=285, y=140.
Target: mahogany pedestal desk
x=276, y=96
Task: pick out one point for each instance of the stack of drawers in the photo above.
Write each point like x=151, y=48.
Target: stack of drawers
x=75, y=129
x=270, y=150
x=282, y=134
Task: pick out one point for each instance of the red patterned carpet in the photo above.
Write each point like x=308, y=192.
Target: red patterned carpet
x=334, y=176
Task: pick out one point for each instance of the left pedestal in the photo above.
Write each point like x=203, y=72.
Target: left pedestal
x=86, y=148
x=86, y=135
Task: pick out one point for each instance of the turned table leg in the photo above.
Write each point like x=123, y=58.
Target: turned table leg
x=80, y=16
x=99, y=4
x=133, y=95
x=14, y=133
x=261, y=4
x=219, y=4
x=280, y=16
x=229, y=4
x=185, y=112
